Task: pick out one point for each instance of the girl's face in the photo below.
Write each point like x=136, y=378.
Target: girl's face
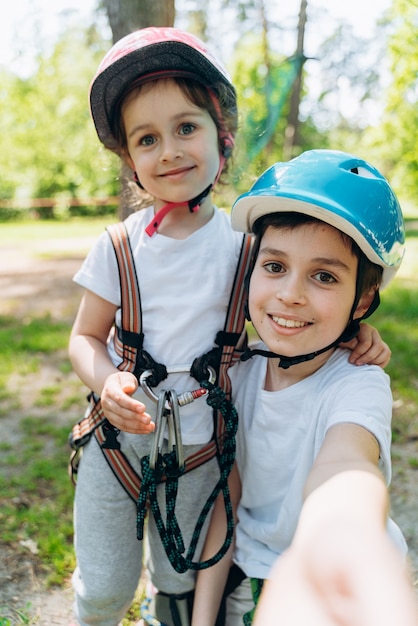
x=302, y=288
x=172, y=144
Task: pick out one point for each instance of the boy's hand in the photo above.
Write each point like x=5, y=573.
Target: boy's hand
x=343, y=578
x=123, y=411
x=368, y=348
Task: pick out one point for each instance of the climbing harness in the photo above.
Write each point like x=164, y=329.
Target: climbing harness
x=167, y=467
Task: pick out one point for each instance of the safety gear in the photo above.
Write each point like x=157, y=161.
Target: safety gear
x=147, y=54
x=211, y=370
x=153, y=53
x=341, y=190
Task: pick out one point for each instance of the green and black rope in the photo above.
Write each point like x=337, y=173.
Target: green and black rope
x=170, y=532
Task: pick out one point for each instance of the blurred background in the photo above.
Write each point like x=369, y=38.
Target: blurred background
x=309, y=74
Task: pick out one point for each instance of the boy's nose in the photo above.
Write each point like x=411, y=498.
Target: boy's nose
x=291, y=290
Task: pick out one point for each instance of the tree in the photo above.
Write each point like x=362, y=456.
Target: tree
x=48, y=146
x=394, y=139
x=126, y=16
x=292, y=139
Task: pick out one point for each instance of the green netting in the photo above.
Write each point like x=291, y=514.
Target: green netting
x=278, y=84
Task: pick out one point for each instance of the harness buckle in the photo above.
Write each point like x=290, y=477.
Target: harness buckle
x=184, y=398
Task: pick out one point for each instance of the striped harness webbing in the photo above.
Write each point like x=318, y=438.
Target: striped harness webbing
x=128, y=344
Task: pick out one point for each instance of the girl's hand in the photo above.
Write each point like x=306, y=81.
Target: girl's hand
x=368, y=348
x=123, y=411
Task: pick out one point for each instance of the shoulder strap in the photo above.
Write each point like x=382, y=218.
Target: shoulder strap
x=233, y=339
x=128, y=339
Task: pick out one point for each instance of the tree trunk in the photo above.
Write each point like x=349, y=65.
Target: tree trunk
x=291, y=139
x=126, y=16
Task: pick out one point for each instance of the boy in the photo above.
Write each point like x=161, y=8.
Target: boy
x=313, y=444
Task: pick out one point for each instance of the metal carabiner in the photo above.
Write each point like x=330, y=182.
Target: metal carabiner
x=170, y=418
x=161, y=422
x=175, y=430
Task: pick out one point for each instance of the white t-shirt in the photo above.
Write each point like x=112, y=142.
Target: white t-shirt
x=185, y=286
x=279, y=436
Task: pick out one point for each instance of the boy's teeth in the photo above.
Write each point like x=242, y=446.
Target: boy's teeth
x=288, y=323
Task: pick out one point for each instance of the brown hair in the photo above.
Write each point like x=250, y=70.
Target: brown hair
x=371, y=273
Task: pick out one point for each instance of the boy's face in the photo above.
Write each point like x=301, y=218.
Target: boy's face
x=172, y=144
x=302, y=288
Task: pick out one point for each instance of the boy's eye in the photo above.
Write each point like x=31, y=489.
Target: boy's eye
x=325, y=278
x=187, y=129
x=148, y=140
x=273, y=267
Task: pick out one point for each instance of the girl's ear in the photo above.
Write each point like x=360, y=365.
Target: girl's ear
x=124, y=155
x=365, y=303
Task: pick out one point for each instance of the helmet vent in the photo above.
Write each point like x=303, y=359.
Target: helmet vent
x=363, y=171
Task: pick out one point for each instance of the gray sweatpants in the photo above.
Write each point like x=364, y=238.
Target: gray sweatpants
x=109, y=556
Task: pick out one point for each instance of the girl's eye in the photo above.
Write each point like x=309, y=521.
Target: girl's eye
x=325, y=278
x=273, y=267
x=187, y=129
x=148, y=140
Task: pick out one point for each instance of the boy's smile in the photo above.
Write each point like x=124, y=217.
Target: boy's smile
x=302, y=288
x=172, y=143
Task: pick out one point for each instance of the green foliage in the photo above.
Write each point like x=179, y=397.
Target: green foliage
x=251, y=67
x=48, y=146
x=391, y=142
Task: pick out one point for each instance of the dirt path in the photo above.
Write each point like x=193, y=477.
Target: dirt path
x=32, y=286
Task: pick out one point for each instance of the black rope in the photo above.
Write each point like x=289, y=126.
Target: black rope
x=170, y=532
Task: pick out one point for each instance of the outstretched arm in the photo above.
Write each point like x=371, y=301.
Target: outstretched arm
x=341, y=568
x=92, y=363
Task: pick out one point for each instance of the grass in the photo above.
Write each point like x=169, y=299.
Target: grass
x=35, y=492
x=26, y=232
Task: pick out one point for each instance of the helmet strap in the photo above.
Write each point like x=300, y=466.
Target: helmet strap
x=193, y=204
x=286, y=361
x=137, y=181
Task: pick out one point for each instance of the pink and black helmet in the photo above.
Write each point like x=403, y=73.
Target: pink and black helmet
x=154, y=52
x=149, y=54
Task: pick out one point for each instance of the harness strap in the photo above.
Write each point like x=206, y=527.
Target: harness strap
x=128, y=344
x=129, y=339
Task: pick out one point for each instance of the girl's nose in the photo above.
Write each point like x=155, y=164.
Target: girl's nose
x=170, y=149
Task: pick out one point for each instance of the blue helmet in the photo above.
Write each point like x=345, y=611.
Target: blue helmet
x=341, y=190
